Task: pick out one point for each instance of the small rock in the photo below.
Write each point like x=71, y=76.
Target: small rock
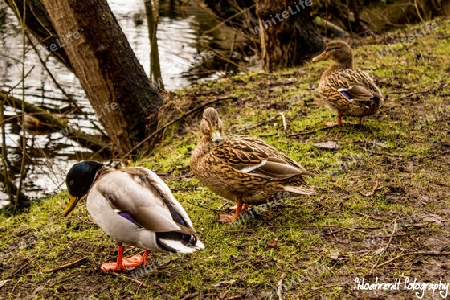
x=335, y=255
x=225, y=283
x=327, y=145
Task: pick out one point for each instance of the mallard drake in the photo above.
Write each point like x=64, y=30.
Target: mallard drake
x=133, y=206
x=346, y=89
x=243, y=168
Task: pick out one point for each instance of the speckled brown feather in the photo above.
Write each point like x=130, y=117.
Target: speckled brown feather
x=244, y=167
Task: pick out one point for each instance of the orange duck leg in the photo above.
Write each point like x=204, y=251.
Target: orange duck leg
x=230, y=218
x=123, y=263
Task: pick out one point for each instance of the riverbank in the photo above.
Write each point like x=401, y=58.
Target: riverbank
x=382, y=210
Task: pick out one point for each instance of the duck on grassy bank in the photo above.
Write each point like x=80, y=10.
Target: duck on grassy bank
x=243, y=168
x=346, y=89
x=133, y=206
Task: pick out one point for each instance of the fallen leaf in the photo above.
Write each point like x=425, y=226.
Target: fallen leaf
x=327, y=145
x=273, y=244
x=2, y=282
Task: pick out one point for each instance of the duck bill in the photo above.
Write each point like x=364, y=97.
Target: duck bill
x=71, y=205
x=216, y=137
x=320, y=57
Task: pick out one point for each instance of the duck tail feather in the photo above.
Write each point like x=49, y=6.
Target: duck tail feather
x=303, y=189
x=179, y=242
x=179, y=246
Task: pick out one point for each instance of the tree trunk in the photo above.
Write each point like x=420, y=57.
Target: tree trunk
x=288, y=36
x=124, y=99
x=284, y=40
x=237, y=13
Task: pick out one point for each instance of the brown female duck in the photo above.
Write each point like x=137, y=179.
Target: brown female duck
x=346, y=89
x=243, y=168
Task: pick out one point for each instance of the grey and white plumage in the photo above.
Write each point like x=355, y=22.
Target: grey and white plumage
x=139, y=193
x=133, y=206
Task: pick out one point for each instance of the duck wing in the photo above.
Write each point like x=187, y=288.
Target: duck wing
x=355, y=85
x=254, y=156
x=140, y=195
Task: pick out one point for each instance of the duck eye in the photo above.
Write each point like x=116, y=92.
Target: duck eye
x=71, y=182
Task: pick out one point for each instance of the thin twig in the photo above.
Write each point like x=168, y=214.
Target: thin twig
x=284, y=122
x=412, y=253
x=280, y=286
x=386, y=247
x=374, y=190
x=309, y=132
x=370, y=216
x=429, y=253
x=7, y=181
x=24, y=138
x=130, y=278
x=418, y=11
x=68, y=265
x=176, y=120
x=26, y=75
x=437, y=87
x=383, y=153
x=10, y=57
x=392, y=259
x=190, y=296
x=20, y=269
x=259, y=124
x=231, y=52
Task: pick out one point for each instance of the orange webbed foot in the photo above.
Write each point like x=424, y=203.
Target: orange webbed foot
x=110, y=267
x=144, y=257
x=132, y=262
x=230, y=218
x=226, y=218
x=123, y=263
